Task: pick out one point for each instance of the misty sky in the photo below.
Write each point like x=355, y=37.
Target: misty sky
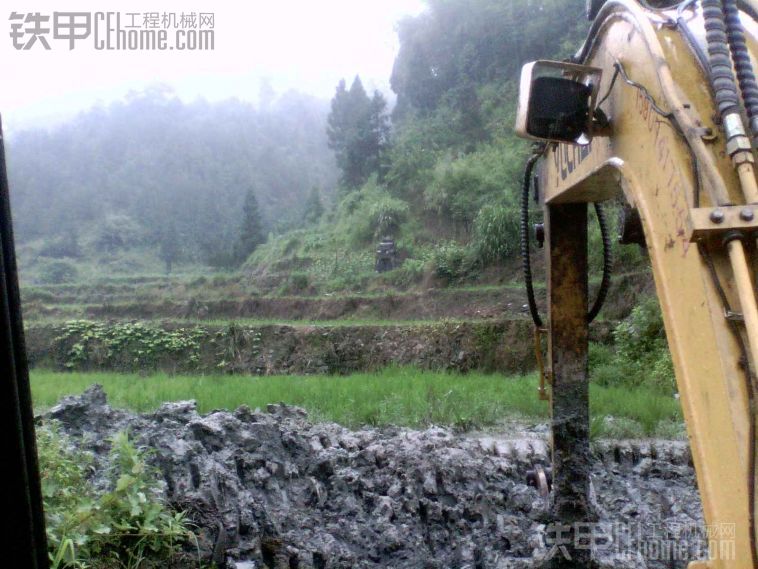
x=300, y=44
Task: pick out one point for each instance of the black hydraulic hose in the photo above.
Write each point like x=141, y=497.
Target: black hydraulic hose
x=747, y=8
x=684, y=27
x=605, y=283
x=722, y=78
x=526, y=258
x=735, y=34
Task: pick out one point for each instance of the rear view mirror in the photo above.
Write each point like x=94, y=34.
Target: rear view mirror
x=557, y=101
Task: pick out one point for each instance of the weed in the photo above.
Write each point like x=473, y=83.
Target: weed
x=140, y=344
x=124, y=526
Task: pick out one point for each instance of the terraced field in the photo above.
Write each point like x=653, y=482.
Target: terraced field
x=208, y=326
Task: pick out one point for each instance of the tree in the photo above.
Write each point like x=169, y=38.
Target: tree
x=169, y=246
x=251, y=230
x=456, y=46
x=156, y=159
x=314, y=209
x=358, y=132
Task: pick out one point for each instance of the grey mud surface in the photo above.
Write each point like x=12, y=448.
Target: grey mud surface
x=270, y=489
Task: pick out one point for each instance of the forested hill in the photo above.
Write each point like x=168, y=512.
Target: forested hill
x=129, y=173
x=445, y=182
x=207, y=183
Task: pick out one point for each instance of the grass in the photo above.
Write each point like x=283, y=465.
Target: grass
x=259, y=322
x=401, y=396
x=341, y=323
x=71, y=294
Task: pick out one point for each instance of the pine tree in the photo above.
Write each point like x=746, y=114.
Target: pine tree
x=314, y=209
x=358, y=132
x=251, y=230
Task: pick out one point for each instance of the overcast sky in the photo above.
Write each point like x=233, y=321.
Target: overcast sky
x=300, y=44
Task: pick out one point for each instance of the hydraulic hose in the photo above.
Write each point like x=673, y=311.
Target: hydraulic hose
x=526, y=258
x=722, y=79
x=605, y=283
x=747, y=8
x=689, y=37
x=735, y=34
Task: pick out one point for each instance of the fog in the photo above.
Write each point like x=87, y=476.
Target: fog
x=290, y=44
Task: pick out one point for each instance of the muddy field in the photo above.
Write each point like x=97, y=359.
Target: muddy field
x=272, y=490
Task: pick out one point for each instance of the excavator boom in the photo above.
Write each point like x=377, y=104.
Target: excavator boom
x=663, y=136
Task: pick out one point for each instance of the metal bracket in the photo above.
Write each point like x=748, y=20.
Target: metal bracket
x=546, y=374
x=716, y=221
x=733, y=316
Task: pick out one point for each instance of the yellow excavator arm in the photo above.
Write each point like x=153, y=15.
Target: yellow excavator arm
x=658, y=127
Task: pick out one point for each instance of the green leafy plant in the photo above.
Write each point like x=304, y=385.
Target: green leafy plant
x=128, y=525
x=641, y=355
x=411, y=272
x=232, y=340
x=452, y=261
x=371, y=213
x=496, y=233
x=138, y=343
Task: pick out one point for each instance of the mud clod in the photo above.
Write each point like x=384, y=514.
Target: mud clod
x=272, y=490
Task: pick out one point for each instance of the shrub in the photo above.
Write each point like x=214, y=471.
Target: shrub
x=370, y=214
x=123, y=526
x=641, y=354
x=66, y=245
x=462, y=185
x=458, y=188
x=298, y=282
x=117, y=231
x=82, y=344
x=409, y=273
x=452, y=261
x=57, y=272
x=496, y=233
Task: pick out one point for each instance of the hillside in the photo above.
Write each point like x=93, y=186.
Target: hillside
x=121, y=183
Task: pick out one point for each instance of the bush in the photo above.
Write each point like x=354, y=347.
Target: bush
x=370, y=214
x=62, y=246
x=57, y=272
x=406, y=275
x=496, y=234
x=123, y=526
x=641, y=354
x=297, y=283
x=452, y=261
x=463, y=185
x=84, y=344
x=458, y=188
x=117, y=232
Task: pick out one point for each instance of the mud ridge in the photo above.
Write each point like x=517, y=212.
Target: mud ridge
x=271, y=489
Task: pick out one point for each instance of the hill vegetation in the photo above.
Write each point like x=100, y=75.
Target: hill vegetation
x=151, y=183
x=134, y=184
